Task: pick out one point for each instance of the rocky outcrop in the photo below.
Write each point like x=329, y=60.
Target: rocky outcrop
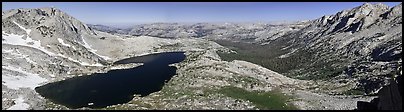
x=389, y=98
x=53, y=30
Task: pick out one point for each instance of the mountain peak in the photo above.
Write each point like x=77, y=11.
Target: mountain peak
x=368, y=8
x=356, y=18
x=395, y=11
x=367, y=4
x=43, y=11
x=376, y=5
x=51, y=10
x=46, y=21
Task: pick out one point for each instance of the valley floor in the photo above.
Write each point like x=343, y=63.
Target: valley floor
x=198, y=81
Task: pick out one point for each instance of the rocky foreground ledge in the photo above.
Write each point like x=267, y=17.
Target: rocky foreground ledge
x=388, y=98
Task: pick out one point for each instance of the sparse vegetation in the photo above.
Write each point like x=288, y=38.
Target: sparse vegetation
x=172, y=46
x=268, y=57
x=274, y=100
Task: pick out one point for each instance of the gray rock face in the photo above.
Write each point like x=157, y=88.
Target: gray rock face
x=56, y=32
x=362, y=38
x=389, y=98
x=394, y=12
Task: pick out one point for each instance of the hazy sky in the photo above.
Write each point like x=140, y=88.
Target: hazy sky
x=146, y=12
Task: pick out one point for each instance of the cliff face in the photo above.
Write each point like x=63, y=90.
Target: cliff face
x=389, y=98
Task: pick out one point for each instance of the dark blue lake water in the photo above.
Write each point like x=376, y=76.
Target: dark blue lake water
x=116, y=86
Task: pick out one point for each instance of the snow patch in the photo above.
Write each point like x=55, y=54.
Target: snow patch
x=20, y=55
x=19, y=104
x=61, y=55
x=286, y=47
x=28, y=31
x=52, y=75
x=104, y=57
x=17, y=81
x=29, y=60
x=382, y=37
x=63, y=43
x=288, y=54
x=81, y=63
x=86, y=45
x=114, y=68
x=118, y=67
x=87, y=64
x=13, y=39
x=97, y=64
x=7, y=51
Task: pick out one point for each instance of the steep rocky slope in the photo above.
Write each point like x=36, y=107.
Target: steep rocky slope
x=361, y=45
x=39, y=46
